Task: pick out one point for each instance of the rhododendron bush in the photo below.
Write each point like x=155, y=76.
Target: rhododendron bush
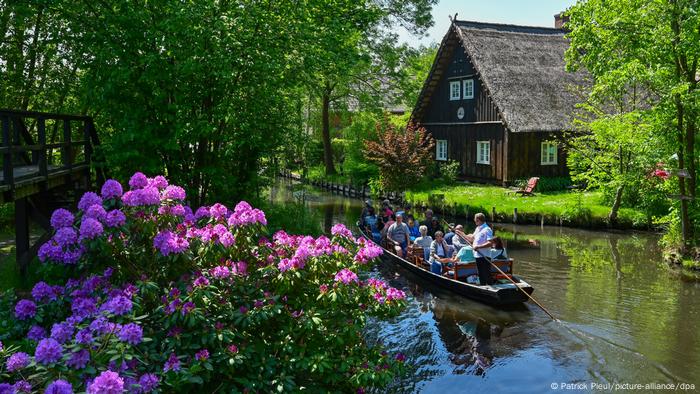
x=164, y=298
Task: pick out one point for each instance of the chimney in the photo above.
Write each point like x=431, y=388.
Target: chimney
x=560, y=19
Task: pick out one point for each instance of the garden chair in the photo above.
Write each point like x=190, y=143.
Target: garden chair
x=529, y=189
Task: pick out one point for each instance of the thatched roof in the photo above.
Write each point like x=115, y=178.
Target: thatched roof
x=523, y=69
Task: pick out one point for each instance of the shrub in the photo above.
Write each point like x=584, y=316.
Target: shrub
x=449, y=171
x=172, y=300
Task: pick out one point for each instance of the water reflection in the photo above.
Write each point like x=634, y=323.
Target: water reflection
x=625, y=318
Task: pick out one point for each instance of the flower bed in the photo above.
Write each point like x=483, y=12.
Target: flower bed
x=160, y=298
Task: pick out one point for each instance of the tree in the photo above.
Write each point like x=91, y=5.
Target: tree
x=358, y=57
x=402, y=155
x=654, y=45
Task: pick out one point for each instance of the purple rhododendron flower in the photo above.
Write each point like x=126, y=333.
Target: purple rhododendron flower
x=244, y=214
x=25, y=309
x=172, y=364
x=22, y=386
x=340, y=230
x=111, y=189
x=108, y=382
x=148, y=382
x=59, y=387
x=36, y=333
x=220, y=272
x=346, y=276
x=174, y=193
x=218, y=211
x=62, y=332
x=131, y=333
x=118, y=305
x=61, y=218
x=115, y=218
x=17, y=361
x=158, y=181
x=83, y=307
x=48, y=351
x=96, y=212
x=79, y=359
x=168, y=243
x=90, y=228
x=65, y=236
x=202, y=355
x=50, y=251
x=138, y=181
x=84, y=337
x=42, y=291
x=202, y=212
x=89, y=199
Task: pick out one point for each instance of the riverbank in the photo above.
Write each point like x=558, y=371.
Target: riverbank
x=578, y=209
x=582, y=209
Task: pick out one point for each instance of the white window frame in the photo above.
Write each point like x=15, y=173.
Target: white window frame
x=483, y=159
x=545, y=158
x=468, y=89
x=441, y=150
x=455, y=87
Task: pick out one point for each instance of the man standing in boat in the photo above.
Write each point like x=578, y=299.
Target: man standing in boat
x=481, y=246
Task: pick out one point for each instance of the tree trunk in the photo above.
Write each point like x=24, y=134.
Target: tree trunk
x=612, y=217
x=686, y=229
x=326, y=131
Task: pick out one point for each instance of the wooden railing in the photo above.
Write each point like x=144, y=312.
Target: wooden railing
x=30, y=155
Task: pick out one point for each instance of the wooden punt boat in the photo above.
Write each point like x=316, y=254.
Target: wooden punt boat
x=503, y=293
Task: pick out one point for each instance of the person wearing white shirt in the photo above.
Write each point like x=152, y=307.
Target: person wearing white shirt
x=481, y=246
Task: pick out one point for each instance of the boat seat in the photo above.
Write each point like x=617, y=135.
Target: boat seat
x=463, y=270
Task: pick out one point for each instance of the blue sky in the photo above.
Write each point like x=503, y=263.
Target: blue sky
x=518, y=12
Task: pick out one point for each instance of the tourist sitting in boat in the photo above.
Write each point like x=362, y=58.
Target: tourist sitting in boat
x=387, y=221
x=398, y=234
x=439, y=253
x=428, y=222
x=435, y=227
x=370, y=224
x=387, y=209
x=498, y=251
x=482, y=241
x=413, y=228
x=424, y=241
x=460, y=239
x=450, y=233
x=365, y=210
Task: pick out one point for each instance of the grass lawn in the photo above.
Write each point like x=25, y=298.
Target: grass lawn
x=572, y=207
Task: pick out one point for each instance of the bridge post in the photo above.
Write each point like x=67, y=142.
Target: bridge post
x=22, y=234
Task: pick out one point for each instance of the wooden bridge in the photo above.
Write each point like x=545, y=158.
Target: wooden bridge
x=48, y=160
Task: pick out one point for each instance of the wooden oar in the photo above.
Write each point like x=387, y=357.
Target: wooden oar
x=519, y=288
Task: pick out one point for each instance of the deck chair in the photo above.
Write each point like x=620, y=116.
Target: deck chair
x=529, y=189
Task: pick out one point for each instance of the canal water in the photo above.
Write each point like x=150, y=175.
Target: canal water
x=624, y=317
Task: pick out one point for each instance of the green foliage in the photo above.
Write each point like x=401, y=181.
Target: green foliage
x=294, y=218
x=547, y=184
x=642, y=110
x=449, y=171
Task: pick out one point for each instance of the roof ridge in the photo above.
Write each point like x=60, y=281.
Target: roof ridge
x=508, y=27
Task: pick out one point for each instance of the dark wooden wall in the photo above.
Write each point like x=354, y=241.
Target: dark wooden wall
x=524, y=156
x=441, y=109
x=461, y=147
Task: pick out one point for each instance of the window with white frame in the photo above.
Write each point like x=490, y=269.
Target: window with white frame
x=441, y=150
x=548, y=153
x=483, y=152
x=468, y=89
x=455, y=90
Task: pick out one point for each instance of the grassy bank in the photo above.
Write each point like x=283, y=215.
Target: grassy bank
x=579, y=209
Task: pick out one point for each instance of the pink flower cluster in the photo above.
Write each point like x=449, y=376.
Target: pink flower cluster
x=243, y=214
x=346, y=276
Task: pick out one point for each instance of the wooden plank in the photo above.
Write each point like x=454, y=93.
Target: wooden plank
x=41, y=156
x=7, y=172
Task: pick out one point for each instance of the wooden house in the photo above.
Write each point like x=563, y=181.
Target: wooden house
x=497, y=97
